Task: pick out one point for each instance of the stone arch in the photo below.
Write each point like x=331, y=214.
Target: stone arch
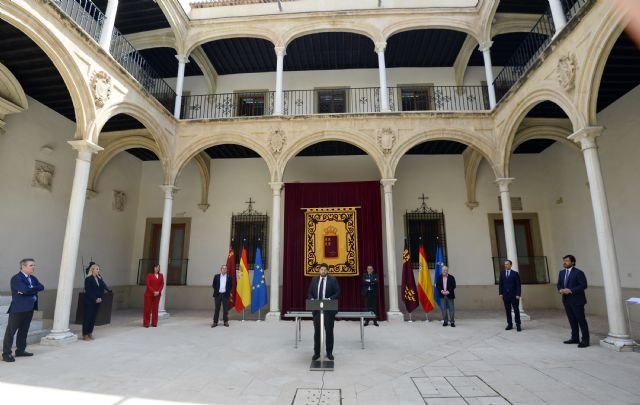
x=588, y=83
x=516, y=117
x=447, y=134
x=551, y=132
x=241, y=31
x=64, y=61
x=353, y=138
x=190, y=151
x=159, y=134
x=446, y=23
x=12, y=96
x=333, y=26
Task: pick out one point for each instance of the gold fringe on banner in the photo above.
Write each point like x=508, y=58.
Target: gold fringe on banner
x=331, y=237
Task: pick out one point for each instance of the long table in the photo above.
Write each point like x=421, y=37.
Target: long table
x=299, y=315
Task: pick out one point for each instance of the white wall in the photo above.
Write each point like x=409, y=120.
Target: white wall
x=33, y=220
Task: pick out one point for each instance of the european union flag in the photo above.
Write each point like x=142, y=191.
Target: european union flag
x=439, y=264
x=259, y=285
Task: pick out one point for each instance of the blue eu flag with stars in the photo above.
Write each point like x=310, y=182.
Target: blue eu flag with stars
x=259, y=285
x=439, y=264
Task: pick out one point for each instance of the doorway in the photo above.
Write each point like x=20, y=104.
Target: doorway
x=178, y=250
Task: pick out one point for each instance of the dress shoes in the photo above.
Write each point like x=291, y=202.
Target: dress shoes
x=155, y=326
x=453, y=325
x=366, y=323
x=518, y=328
x=315, y=357
x=226, y=324
x=330, y=356
x=571, y=341
x=146, y=326
x=23, y=354
x=8, y=358
x=213, y=325
x=445, y=324
x=375, y=323
x=509, y=327
x=583, y=344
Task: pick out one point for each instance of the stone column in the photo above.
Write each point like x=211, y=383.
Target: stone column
x=107, y=25
x=509, y=231
x=278, y=108
x=182, y=61
x=384, y=93
x=390, y=240
x=557, y=12
x=274, y=259
x=618, y=337
x=485, y=48
x=165, y=237
x=60, y=333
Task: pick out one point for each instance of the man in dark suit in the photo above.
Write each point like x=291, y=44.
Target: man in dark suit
x=510, y=290
x=222, y=285
x=571, y=284
x=370, y=293
x=324, y=287
x=24, y=300
x=446, y=286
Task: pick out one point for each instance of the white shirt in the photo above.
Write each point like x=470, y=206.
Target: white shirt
x=324, y=287
x=223, y=283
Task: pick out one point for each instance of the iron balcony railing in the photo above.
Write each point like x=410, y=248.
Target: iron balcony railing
x=527, y=53
x=532, y=269
x=335, y=101
x=176, y=273
x=91, y=19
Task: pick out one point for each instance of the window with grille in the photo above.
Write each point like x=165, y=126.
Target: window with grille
x=251, y=230
x=416, y=98
x=332, y=101
x=250, y=104
x=425, y=228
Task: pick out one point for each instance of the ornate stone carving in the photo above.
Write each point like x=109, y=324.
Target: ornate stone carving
x=277, y=141
x=43, y=175
x=119, y=200
x=566, y=72
x=386, y=140
x=101, y=88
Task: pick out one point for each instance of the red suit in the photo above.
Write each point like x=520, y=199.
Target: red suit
x=154, y=284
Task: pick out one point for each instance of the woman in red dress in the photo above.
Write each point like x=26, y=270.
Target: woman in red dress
x=155, y=284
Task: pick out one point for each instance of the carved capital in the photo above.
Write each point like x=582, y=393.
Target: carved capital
x=277, y=141
x=380, y=46
x=586, y=137
x=182, y=58
x=566, y=72
x=503, y=183
x=387, y=139
x=485, y=46
x=100, y=85
x=204, y=207
x=280, y=50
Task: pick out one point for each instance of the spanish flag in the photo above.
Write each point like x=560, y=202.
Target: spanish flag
x=243, y=289
x=425, y=286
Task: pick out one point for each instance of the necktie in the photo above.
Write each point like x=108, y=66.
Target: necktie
x=566, y=277
x=321, y=290
x=29, y=280
x=508, y=273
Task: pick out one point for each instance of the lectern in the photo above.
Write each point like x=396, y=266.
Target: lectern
x=322, y=364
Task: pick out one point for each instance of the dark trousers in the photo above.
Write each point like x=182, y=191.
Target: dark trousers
x=20, y=322
x=89, y=320
x=448, y=310
x=512, y=303
x=575, y=313
x=372, y=302
x=329, y=319
x=224, y=300
x=150, y=310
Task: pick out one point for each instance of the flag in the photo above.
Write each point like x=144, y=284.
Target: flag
x=259, y=285
x=231, y=272
x=425, y=286
x=409, y=293
x=438, y=275
x=243, y=290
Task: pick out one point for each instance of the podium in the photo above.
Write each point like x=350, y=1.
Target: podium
x=103, y=317
x=323, y=363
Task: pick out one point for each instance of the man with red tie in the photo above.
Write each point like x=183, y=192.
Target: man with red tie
x=155, y=284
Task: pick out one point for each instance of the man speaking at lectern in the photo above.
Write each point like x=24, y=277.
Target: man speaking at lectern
x=324, y=287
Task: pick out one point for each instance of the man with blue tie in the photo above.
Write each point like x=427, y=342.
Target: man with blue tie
x=510, y=292
x=24, y=293
x=571, y=285
x=324, y=287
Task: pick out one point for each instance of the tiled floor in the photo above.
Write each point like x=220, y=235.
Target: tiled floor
x=186, y=361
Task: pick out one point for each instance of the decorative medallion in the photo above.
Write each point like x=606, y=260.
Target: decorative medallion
x=101, y=88
x=386, y=140
x=43, y=175
x=277, y=141
x=566, y=72
x=119, y=200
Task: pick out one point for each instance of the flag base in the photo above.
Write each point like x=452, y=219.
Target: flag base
x=321, y=365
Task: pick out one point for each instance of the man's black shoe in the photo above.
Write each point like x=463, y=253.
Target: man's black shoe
x=8, y=358
x=445, y=324
x=509, y=327
x=583, y=344
x=366, y=323
x=375, y=323
x=570, y=342
x=24, y=354
x=518, y=328
x=315, y=357
x=453, y=325
x=213, y=325
x=330, y=356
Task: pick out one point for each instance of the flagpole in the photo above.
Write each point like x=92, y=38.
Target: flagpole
x=410, y=317
x=259, y=314
x=243, y=314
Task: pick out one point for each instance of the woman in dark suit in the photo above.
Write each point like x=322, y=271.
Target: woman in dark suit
x=94, y=289
x=155, y=284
